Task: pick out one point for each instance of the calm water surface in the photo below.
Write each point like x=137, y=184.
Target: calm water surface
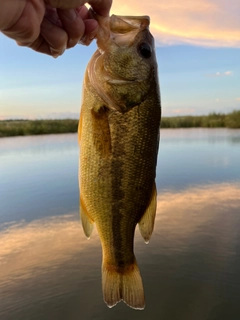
x=190, y=268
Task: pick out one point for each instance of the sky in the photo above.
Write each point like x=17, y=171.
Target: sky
x=198, y=54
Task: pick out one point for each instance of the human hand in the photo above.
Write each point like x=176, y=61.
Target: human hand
x=50, y=26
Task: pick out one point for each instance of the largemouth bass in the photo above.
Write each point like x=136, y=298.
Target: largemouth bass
x=119, y=137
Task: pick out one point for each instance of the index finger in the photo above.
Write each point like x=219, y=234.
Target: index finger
x=102, y=7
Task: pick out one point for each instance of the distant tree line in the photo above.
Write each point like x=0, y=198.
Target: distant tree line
x=34, y=127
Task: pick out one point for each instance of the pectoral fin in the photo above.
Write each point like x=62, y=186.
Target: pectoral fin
x=101, y=131
x=87, y=222
x=146, y=224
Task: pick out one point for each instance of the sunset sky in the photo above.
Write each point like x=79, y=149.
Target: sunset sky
x=198, y=53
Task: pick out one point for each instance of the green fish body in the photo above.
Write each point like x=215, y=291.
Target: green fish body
x=119, y=137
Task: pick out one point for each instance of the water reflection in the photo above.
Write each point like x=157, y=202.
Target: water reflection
x=197, y=156
x=190, y=269
x=39, y=174
x=196, y=135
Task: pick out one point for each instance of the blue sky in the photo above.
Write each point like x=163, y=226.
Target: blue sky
x=198, y=50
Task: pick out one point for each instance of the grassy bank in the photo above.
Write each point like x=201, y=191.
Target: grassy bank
x=10, y=128
x=213, y=120
x=33, y=127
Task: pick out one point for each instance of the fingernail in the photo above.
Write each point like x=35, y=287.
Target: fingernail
x=87, y=39
x=56, y=53
x=82, y=40
x=92, y=35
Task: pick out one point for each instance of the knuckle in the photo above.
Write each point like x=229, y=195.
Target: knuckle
x=29, y=33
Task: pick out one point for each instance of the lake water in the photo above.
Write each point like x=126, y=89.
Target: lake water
x=190, y=268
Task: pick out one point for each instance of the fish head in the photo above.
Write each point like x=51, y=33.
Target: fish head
x=124, y=68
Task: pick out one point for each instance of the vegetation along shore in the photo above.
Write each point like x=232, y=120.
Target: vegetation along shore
x=9, y=128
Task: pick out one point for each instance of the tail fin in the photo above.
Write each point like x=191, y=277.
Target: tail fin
x=126, y=286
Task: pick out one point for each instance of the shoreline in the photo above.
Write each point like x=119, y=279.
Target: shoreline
x=11, y=128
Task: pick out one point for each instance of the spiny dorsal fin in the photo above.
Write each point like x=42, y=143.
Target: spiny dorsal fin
x=146, y=224
x=87, y=222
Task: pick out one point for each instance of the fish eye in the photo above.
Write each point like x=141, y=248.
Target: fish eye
x=145, y=50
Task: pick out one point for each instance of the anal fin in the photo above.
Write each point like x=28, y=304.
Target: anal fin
x=146, y=224
x=87, y=222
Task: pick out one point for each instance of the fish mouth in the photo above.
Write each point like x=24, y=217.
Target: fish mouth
x=120, y=30
x=124, y=24
x=114, y=31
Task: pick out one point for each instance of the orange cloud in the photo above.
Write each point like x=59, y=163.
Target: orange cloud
x=183, y=111
x=207, y=23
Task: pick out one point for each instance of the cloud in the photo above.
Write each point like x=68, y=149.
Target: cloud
x=227, y=73
x=182, y=111
x=60, y=115
x=237, y=99
x=208, y=23
x=220, y=74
